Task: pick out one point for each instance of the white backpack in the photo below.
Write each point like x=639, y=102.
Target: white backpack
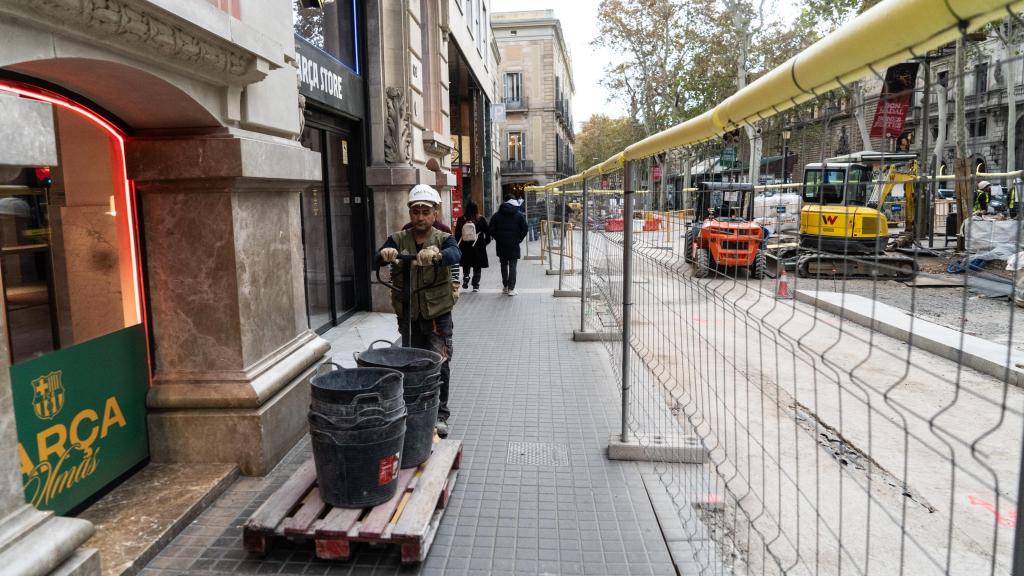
x=469, y=232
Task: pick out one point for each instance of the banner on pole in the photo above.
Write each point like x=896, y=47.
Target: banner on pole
x=894, y=101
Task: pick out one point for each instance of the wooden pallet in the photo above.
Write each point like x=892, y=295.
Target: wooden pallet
x=410, y=519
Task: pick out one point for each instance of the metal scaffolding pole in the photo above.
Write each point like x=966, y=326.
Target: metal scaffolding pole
x=583, y=271
x=629, y=187
x=561, y=244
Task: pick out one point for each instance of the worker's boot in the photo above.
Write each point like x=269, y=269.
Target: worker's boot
x=441, y=427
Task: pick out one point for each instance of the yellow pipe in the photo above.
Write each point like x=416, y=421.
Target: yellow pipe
x=778, y=186
x=888, y=33
x=891, y=32
x=1000, y=174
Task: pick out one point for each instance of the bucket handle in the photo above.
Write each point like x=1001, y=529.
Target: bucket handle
x=374, y=398
x=388, y=342
x=427, y=396
x=320, y=368
x=370, y=412
x=371, y=422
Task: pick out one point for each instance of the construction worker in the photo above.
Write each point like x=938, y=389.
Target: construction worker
x=431, y=307
x=981, y=197
x=1011, y=203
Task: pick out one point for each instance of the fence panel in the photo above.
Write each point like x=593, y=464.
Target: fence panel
x=854, y=378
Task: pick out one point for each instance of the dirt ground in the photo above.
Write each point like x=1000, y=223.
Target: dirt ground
x=955, y=307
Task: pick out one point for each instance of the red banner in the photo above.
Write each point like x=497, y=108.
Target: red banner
x=894, y=101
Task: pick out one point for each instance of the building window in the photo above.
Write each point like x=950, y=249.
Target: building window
x=482, y=25
x=981, y=78
x=513, y=86
x=469, y=17
x=516, y=151
x=977, y=128
x=332, y=28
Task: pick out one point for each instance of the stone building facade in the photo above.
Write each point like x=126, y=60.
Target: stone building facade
x=536, y=83
x=152, y=250
x=430, y=75
x=193, y=191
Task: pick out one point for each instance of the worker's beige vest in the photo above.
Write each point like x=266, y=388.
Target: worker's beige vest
x=432, y=285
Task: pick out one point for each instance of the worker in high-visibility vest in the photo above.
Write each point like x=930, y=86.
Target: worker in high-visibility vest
x=982, y=195
x=1011, y=206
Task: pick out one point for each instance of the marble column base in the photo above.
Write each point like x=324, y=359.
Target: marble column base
x=36, y=543
x=235, y=422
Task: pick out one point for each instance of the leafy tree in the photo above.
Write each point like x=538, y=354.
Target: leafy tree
x=601, y=137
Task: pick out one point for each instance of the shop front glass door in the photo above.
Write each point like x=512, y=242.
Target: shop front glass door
x=343, y=205
x=316, y=242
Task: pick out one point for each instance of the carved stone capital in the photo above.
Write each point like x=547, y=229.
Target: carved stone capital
x=138, y=29
x=398, y=135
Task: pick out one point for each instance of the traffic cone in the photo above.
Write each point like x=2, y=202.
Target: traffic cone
x=783, y=289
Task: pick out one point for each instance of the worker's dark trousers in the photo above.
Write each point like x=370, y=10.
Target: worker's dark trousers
x=508, y=272
x=435, y=335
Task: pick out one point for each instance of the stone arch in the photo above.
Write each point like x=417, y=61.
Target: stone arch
x=137, y=98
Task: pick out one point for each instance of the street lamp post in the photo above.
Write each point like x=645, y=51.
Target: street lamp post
x=786, y=133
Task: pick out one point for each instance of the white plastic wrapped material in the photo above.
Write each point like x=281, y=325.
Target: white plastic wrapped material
x=1015, y=262
x=992, y=239
x=768, y=214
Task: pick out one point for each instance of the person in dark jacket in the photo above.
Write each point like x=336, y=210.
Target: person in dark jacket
x=473, y=243
x=508, y=228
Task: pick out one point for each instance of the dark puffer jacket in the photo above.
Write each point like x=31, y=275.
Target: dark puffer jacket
x=508, y=228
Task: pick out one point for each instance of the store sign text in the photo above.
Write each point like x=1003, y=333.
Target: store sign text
x=80, y=414
x=325, y=80
x=317, y=78
x=48, y=480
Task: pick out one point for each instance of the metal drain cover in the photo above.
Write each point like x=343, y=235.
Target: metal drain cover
x=537, y=454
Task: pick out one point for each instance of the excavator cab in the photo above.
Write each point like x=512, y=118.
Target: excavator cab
x=841, y=221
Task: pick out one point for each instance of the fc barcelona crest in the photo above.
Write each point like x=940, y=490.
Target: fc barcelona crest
x=47, y=395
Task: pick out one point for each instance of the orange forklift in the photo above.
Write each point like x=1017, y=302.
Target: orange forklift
x=723, y=236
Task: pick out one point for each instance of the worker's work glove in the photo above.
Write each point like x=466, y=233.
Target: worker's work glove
x=428, y=256
x=388, y=254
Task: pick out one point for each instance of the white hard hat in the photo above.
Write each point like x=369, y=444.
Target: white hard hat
x=984, y=184
x=423, y=194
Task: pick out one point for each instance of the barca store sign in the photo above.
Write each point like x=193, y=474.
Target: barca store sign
x=81, y=417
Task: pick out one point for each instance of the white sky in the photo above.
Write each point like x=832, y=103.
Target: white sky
x=579, y=26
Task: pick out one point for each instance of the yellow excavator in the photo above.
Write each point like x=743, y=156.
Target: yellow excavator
x=843, y=230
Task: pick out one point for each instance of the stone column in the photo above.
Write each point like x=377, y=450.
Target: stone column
x=398, y=159
x=224, y=275
x=31, y=541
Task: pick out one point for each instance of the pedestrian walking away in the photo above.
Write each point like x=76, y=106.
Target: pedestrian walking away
x=474, y=235
x=508, y=228
x=429, y=315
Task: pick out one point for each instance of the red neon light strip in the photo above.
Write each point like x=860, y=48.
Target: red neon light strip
x=118, y=136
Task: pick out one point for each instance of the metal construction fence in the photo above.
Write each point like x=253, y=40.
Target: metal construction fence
x=851, y=413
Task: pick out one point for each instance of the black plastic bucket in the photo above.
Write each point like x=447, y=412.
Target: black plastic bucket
x=419, y=431
x=358, y=468
x=416, y=364
x=344, y=386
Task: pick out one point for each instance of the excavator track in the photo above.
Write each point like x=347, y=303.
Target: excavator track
x=886, y=266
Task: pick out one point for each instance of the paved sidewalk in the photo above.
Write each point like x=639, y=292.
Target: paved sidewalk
x=535, y=495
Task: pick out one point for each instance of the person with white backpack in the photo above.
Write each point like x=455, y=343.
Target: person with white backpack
x=474, y=235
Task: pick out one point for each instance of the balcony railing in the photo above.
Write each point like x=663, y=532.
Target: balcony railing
x=517, y=167
x=512, y=105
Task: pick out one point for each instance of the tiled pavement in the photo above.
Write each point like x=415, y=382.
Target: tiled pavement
x=535, y=495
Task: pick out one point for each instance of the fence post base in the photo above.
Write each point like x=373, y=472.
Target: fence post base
x=581, y=336
x=567, y=293
x=645, y=447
